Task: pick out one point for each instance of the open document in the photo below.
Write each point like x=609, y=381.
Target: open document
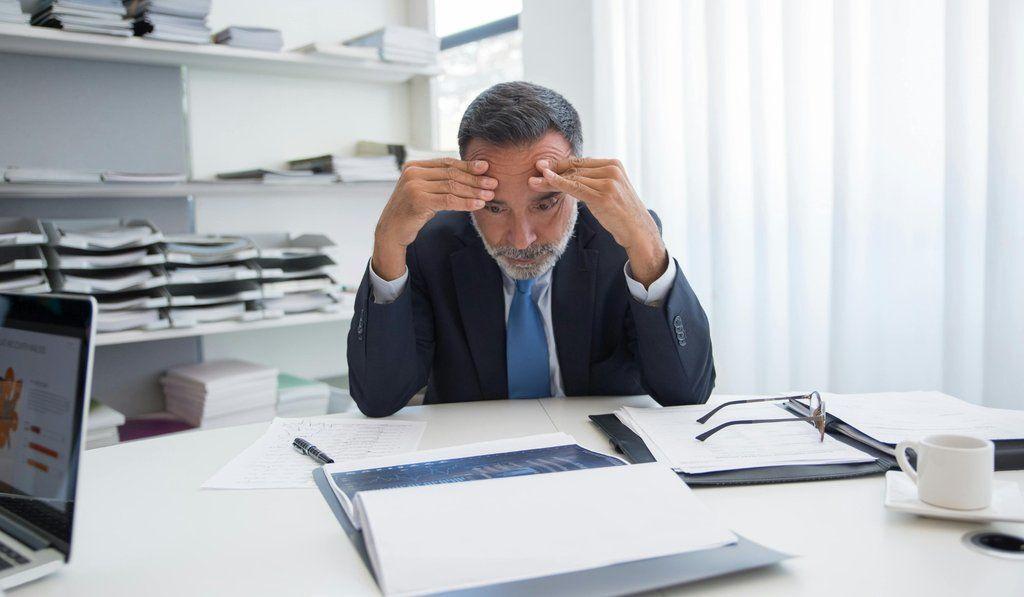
x=505, y=529
x=271, y=462
x=670, y=433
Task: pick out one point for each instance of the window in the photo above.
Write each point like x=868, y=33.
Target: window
x=480, y=45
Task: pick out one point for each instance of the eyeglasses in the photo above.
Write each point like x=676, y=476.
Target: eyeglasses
x=815, y=404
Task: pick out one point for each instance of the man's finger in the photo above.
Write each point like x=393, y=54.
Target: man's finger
x=602, y=172
x=449, y=186
x=471, y=167
x=449, y=202
x=560, y=166
x=578, y=187
x=483, y=182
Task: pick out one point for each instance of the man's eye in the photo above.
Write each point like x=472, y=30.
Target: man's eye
x=493, y=209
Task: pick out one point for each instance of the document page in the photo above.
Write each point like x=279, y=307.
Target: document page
x=893, y=417
x=498, y=530
x=669, y=433
x=271, y=462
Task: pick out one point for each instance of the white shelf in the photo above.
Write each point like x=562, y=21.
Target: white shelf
x=201, y=189
x=224, y=327
x=45, y=41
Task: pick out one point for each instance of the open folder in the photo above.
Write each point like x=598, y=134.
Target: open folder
x=529, y=521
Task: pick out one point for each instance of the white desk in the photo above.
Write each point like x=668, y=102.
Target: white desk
x=145, y=528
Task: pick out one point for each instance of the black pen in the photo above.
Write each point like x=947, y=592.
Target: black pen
x=304, y=447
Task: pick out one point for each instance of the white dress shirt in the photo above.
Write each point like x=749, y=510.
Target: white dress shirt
x=385, y=292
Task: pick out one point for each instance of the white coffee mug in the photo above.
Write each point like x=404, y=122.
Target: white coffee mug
x=953, y=471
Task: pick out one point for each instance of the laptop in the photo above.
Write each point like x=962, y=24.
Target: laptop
x=46, y=350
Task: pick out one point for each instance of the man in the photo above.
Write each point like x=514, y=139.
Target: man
x=522, y=271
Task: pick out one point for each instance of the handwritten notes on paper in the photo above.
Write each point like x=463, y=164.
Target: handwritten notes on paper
x=272, y=463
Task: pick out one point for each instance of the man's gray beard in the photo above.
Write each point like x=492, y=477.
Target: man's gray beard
x=549, y=253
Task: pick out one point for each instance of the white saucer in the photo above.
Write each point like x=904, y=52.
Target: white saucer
x=1007, y=501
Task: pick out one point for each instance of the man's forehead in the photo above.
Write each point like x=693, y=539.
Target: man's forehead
x=513, y=160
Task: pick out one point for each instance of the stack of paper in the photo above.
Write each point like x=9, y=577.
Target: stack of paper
x=301, y=397
x=401, y=44
x=10, y=12
x=253, y=38
x=352, y=169
x=298, y=273
x=403, y=153
x=119, y=258
x=83, y=16
x=208, y=249
x=221, y=393
x=171, y=20
x=144, y=177
x=101, y=428
x=341, y=53
x=207, y=277
x=50, y=175
x=263, y=175
x=670, y=433
x=22, y=263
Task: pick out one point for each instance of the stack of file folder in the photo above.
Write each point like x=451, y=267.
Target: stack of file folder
x=22, y=264
x=381, y=168
x=101, y=426
x=301, y=397
x=212, y=278
x=118, y=261
x=266, y=176
x=10, y=12
x=221, y=393
x=298, y=273
x=401, y=44
x=83, y=16
x=252, y=38
x=171, y=20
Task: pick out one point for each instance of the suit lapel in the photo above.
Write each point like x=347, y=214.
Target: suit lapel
x=574, y=284
x=482, y=307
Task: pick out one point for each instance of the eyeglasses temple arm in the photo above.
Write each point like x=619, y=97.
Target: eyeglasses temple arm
x=714, y=430
x=711, y=413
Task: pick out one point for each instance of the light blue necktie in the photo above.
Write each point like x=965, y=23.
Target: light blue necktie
x=526, y=346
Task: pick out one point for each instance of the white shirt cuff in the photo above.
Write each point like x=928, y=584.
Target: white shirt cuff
x=385, y=292
x=656, y=294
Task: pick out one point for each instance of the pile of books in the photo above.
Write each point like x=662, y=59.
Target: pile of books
x=301, y=397
x=401, y=44
x=171, y=20
x=252, y=38
x=83, y=16
x=377, y=168
x=22, y=264
x=10, y=12
x=101, y=427
x=221, y=393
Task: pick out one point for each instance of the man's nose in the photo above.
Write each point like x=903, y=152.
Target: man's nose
x=522, y=235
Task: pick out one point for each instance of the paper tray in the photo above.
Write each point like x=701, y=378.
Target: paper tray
x=630, y=444
x=619, y=579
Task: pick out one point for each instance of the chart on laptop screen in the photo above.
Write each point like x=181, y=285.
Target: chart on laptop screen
x=38, y=385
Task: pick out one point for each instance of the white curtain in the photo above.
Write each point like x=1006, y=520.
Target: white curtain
x=843, y=182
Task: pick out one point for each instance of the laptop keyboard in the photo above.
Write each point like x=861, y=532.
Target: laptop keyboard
x=10, y=555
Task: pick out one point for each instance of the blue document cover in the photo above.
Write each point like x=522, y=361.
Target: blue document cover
x=472, y=468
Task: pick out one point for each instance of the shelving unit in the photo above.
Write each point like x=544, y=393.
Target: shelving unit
x=205, y=189
x=43, y=41
x=222, y=327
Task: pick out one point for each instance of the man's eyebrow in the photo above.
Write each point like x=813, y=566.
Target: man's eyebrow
x=550, y=195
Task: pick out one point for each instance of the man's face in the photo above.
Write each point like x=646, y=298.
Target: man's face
x=524, y=231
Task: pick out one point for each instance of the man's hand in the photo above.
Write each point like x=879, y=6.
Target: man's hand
x=424, y=189
x=604, y=187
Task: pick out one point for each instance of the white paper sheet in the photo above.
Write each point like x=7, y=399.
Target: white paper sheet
x=271, y=462
x=497, y=530
x=669, y=433
x=896, y=416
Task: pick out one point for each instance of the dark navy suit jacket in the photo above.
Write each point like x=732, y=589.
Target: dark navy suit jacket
x=446, y=331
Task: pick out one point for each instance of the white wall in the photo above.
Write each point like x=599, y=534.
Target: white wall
x=240, y=121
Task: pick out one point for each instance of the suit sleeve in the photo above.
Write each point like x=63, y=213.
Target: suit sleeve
x=672, y=343
x=390, y=345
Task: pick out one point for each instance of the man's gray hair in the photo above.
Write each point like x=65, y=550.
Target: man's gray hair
x=519, y=113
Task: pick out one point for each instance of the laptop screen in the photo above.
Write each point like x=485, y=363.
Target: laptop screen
x=44, y=357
